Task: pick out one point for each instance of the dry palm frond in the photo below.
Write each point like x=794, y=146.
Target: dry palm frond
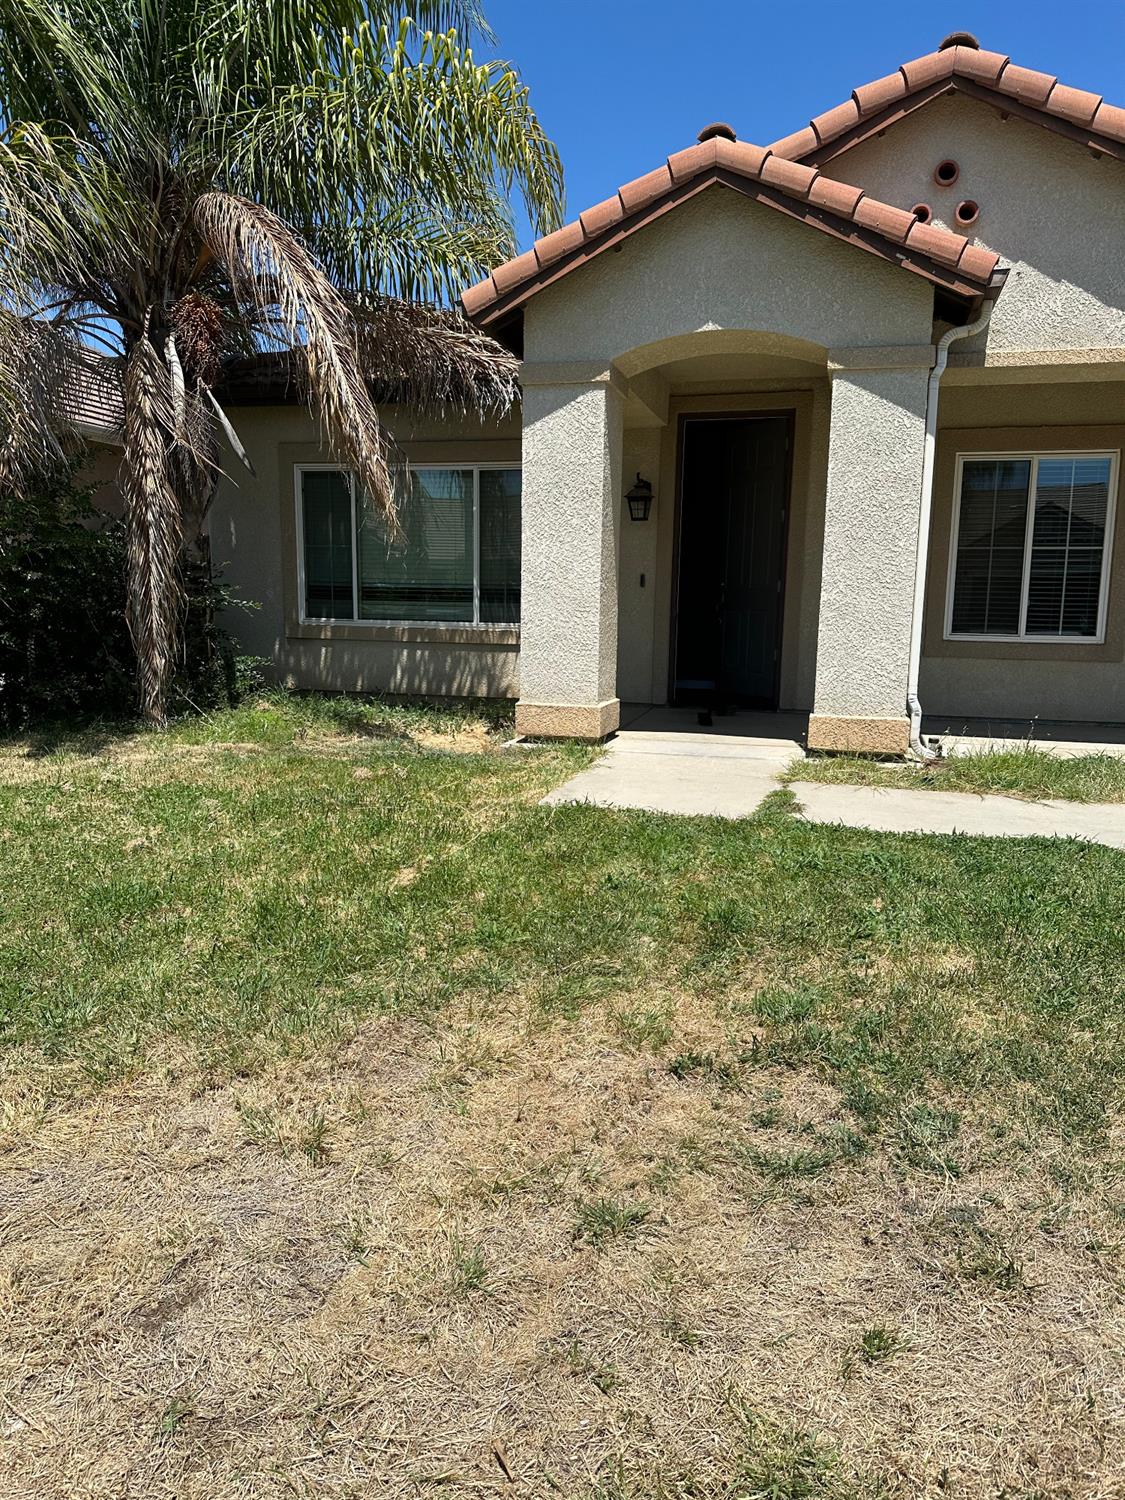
x=275, y=274
x=154, y=524
x=196, y=466
x=436, y=359
x=39, y=368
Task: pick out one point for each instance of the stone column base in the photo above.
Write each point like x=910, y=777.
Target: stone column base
x=859, y=736
x=568, y=721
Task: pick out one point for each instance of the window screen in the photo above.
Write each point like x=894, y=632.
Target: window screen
x=326, y=499
x=455, y=556
x=1031, y=536
x=425, y=572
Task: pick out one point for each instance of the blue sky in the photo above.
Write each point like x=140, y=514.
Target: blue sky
x=621, y=83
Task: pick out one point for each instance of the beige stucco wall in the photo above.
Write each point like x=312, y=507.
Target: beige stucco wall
x=718, y=262
x=1052, y=211
x=101, y=464
x=639, y=620
x=1070, y=680
x=870, y=542
x=572, y=443
x=253, y=542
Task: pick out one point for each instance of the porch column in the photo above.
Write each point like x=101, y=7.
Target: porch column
x=870, y=543
x=572, y=426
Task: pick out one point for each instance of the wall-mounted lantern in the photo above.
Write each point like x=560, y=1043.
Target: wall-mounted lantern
x=640, y=500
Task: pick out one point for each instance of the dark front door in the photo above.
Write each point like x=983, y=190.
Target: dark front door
x=733, y=502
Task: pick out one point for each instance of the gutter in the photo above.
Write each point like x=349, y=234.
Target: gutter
x=925, y=513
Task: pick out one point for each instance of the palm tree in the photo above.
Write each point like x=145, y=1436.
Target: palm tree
x=183, y=182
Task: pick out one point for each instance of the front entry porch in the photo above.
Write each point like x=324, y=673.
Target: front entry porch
x=776, y=568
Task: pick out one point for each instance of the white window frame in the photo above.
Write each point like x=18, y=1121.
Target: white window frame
x=1034, y=457
x=476, y=623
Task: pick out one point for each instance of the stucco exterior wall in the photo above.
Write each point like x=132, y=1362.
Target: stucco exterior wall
x=101, y=464
x=1049, y=208
x=720, y=261
x=572, y=445
x=870, y=540
x=253, y=543
x=1070, y=680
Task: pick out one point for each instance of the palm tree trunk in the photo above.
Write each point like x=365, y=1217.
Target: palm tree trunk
x=154, y=527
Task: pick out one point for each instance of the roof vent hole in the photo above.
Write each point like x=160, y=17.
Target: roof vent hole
x=720, y=128
x=946, y=173
x=922, y=212
x=967, y=211
x=959, y=39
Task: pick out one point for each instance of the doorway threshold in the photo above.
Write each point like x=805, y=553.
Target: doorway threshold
x=752, y=733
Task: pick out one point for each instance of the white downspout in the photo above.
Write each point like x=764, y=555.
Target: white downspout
x=924, y=514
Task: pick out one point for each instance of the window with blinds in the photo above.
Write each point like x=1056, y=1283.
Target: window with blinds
x=455, y=556
x=1031, y=546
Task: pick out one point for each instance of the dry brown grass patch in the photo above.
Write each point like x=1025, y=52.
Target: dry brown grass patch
x=349, y=1275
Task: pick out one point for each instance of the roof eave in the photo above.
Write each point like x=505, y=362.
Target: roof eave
x=875, y=124
x=948, y=280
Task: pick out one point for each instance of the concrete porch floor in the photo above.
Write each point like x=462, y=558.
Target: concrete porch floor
x=663, y=760
x=653, y=724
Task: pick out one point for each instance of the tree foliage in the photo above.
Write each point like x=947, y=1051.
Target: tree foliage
x=183, y=182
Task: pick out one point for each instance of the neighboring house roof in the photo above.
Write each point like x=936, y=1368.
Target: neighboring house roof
x=764, y=175
x=95, y=404
x=959, y=65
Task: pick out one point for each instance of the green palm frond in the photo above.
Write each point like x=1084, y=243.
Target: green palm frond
x=188, y=183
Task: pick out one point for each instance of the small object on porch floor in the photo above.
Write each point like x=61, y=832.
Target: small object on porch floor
x=703, y=692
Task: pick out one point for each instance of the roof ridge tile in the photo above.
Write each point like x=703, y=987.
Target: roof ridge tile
x=984, y=67
x=871, y=97
x=796, y=180
x=991, y=70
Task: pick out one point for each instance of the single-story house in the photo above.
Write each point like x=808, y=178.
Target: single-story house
x=832, y=425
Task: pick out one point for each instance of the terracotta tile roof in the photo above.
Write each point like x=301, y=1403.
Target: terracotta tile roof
x=763, y=173
x=962, y=65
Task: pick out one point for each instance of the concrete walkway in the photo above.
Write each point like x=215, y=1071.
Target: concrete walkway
x=661, y=761
x=899, y=810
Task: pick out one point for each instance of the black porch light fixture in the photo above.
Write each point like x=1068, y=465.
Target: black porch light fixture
x=640, y=500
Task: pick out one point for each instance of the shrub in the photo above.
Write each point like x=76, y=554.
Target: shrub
x=64, y=641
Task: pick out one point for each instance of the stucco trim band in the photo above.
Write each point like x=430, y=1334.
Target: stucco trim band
x=888, y=357
x=568, y=721
x=571, y=372
x=859, y=736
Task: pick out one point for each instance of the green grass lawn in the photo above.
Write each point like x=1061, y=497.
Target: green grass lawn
x=1027, y=772
x=356, y=1106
